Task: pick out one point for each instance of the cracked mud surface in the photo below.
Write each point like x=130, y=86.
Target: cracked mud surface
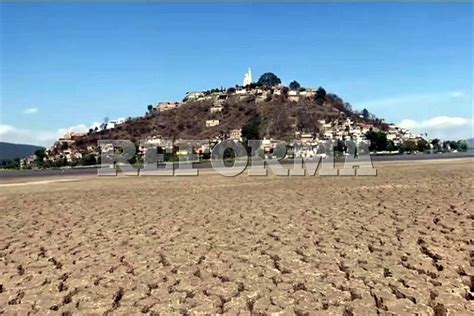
x=399, y=243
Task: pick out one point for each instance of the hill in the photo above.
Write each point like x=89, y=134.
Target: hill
x=12, y=151
x=278, y=118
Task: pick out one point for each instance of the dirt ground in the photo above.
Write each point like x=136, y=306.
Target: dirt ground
x=398, y=243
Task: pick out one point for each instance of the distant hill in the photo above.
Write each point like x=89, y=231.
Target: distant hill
x=12, y=151
x=470, y=143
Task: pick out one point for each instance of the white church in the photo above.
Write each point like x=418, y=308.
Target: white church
x=248, y=78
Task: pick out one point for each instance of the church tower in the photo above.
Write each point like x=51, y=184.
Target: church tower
x=248, y=78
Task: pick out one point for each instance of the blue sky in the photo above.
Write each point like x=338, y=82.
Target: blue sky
x=66, y=66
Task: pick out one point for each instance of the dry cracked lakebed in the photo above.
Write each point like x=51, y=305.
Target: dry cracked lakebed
x=399, y=243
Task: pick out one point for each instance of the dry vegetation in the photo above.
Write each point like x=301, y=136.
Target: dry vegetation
x=398, y=243
x=280, y=119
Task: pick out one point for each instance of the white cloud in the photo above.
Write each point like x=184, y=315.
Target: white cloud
x=13, y=134
x=417, y=98
x=45, y=138
x=444, y=127
x=29, y=111
x=457, y=94
x=4, y=129
x=422, y=106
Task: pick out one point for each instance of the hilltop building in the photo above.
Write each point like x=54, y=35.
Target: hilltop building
x=247, y=78
x=165, y=106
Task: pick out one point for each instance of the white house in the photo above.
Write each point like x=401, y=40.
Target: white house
x=216, y=109
x=212, y=123
x=194, y=95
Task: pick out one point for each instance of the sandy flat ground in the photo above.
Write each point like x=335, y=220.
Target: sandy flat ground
x=400, y=242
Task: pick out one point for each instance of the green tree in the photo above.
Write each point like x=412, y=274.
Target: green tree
x=150, y=108
x=87, y=160
x=10, y=164
x=294, y=85
x=251, y=130
x=422, y=145
x=320, y=96
x=268, y=79
x=462, y=145
x=409, y=146
x=251, y=86
x=436, y=144
x=340, y=147
x=365, y=114
x=453, y=144
x=40, y=154
x=378, y=140
x=391, y=146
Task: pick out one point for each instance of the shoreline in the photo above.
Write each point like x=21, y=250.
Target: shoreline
x=74, y=175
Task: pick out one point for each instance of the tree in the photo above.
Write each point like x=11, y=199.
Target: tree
x=150, y=108
x=365, y=114
x=391, y=146
x=462, y=145
x=348, y=106
x=40, y=154
x=10, y=164
x=231, y=90
x=378, y=141
x=251, y=130
x=251, y=86
x=268, y=79
x=422, y=145
x=436, y=144
x=453, y=145
x=408, y=146
x=87, y=160
x=320, y=96
x=294, y=85
x=340, y=147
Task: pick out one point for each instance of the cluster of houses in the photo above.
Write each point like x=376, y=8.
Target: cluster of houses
x=348, y=129
x=187, y=147
x=219, y=98
x=260, y=93
x=400, y=135
x=307, y=145
x=64, y=148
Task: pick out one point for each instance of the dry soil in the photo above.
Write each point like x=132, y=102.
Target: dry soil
x=398, y=243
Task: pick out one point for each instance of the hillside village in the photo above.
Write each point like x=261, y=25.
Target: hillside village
x=265, y=110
